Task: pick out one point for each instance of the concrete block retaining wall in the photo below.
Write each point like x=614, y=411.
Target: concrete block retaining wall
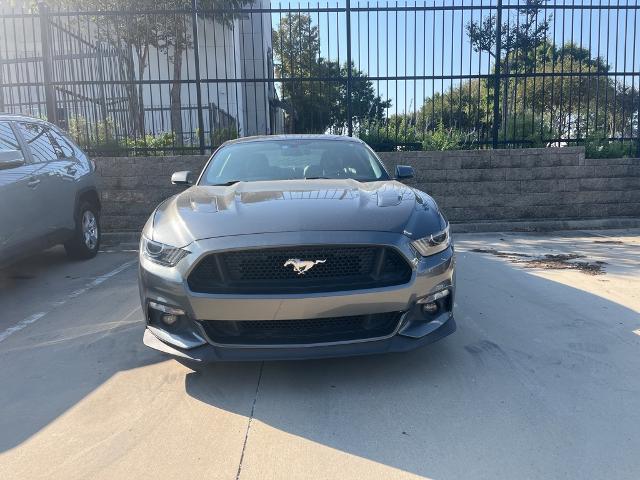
x=525, y=185
x=476, y=186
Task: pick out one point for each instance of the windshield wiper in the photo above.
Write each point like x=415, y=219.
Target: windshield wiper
x=226, y=184
x=317, y=178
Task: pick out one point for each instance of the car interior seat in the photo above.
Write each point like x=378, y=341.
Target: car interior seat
x=259, y=167
x=332, y=166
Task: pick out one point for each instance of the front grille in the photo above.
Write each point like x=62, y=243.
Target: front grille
x=307, y=331
x=263, y=271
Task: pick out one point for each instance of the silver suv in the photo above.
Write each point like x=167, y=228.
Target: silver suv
x=48, y=192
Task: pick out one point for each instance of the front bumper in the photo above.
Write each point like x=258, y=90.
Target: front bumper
x=168, y=286
x=211, y=353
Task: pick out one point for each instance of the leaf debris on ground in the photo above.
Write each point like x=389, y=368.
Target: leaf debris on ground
x=565, y=261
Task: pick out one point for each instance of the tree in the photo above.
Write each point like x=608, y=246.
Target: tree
x=571, y=105
x=465, y=107
x=561, y=104
x=366, y=106
x=569, y=94
x=314, y=93
x=519, y=42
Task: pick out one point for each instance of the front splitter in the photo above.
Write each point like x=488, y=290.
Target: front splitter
x=209, y=353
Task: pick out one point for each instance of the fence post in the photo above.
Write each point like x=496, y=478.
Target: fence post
x=1, y=85
x=47, y=63
x=496, y=77
x=349, y=72
x=196, y=57
x=637, y=126
x=103, y=93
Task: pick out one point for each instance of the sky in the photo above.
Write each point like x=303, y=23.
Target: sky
x=434, y=42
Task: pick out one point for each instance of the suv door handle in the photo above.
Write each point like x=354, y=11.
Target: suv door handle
x=33, y=183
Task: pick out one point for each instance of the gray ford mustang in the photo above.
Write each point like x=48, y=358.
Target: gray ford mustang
x=291, y=247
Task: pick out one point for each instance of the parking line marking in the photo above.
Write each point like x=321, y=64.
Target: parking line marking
x=21, y=324
x=89, y=286
x=98, y=281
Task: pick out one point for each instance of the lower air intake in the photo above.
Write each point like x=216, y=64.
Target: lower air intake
x=306, y=331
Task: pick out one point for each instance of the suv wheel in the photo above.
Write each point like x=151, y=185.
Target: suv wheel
x=86, y=238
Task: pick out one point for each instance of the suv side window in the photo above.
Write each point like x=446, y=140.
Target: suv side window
x=8, y=140
x=43, y=147
x=65, y=147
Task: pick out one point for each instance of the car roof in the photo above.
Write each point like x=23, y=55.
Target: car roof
x=272, y=138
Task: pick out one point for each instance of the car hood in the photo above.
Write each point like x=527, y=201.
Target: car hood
x=290, y=206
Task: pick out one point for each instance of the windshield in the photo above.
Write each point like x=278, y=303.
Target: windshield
x=292, y=159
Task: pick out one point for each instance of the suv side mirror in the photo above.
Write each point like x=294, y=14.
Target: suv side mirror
x=182, y=178
x=11, y=159
x=404, y=172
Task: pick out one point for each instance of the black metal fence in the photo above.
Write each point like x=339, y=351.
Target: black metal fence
x=184, y=76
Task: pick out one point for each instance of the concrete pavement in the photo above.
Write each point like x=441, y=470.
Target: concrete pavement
x=540, y=381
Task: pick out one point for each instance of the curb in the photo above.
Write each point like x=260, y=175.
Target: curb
x=546, y=225
x=124, y=240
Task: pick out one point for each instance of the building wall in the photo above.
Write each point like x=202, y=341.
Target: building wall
x=236, y=52
x=257, y=63
x=219, y=49
x=470, y=186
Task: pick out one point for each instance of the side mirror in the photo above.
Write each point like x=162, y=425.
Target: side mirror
x=182, y=178
x=404, y=172
x=11, y=159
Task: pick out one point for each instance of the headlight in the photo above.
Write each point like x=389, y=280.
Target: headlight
x=162, y=254
x=433, y=244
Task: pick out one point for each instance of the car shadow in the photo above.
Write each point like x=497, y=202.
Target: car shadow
x=50, y=366
x=22, y=269
x=67, y=370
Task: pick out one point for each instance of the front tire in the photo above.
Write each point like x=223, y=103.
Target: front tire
x=86, y=238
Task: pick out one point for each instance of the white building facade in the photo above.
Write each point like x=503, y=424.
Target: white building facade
x=88, y=72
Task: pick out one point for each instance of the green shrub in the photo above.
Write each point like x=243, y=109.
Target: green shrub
x=221, y=135
x=526, y=131
x=378, y=140
x=598, y=145
x=390, y=137
x=151, y=145
x=99, y=139
x=95, y=138
x=445, y=139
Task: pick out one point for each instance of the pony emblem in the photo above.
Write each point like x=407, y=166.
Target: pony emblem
x=302, y=266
